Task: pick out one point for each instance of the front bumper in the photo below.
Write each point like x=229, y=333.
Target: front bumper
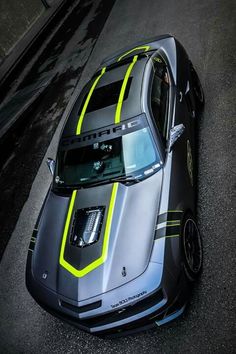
x=156, y=308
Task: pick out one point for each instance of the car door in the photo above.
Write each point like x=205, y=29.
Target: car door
x=181, y=179
x=183, y=168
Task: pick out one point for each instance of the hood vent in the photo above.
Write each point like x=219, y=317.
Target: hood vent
x=87, y=226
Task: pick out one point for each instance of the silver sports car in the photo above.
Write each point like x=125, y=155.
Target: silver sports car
x=116, y=245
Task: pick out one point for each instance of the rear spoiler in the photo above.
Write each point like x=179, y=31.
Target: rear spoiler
x=140, y=47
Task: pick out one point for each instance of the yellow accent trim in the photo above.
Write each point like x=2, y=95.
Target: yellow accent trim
x=174, y=211
x=173, y=225
x=145, y=47
x=122, y=91
x=80, y=273
x=172, y=221
x=81, y=117
x=158, y=60
x=171, y=236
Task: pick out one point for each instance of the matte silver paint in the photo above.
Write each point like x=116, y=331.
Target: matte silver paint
x=149, y=265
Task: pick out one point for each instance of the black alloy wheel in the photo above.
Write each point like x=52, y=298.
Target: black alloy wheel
x=192, y=248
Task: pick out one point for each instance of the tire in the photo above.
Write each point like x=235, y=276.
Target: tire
x=197, y=90
x=192, y=248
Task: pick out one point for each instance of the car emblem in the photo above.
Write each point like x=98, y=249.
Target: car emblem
x=124, y=272
x=45, y=275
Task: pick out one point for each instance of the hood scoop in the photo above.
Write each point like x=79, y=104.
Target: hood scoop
x=86, y=227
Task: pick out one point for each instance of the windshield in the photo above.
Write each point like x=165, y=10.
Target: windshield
x=127, y=152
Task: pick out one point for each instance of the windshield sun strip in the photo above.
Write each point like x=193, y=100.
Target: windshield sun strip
x=112, y=131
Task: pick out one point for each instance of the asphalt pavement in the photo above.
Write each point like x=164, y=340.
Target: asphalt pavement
x=207, y=31
x=42, y=93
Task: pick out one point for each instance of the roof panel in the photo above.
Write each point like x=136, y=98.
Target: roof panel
x=106, y=115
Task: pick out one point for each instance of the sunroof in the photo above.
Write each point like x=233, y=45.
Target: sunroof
x=106, y=96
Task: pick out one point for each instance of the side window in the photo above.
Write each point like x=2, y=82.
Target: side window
x=160, y=97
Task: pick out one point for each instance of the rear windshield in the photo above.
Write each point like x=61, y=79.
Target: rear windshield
x=106, y=96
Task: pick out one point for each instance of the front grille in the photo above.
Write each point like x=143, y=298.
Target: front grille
x=80, y=309
x=128, y=311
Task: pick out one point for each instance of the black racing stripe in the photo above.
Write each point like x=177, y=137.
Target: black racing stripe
x=32, y=245
x=34, y=234
x=105, y=96
x=35, y=231
x=169, y=216
x=167, y=231
x=162, y=218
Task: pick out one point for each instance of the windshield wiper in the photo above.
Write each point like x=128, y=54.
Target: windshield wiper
x=121, y=179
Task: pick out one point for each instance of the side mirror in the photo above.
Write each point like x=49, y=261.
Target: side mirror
x=51, y=165
x=175, y=134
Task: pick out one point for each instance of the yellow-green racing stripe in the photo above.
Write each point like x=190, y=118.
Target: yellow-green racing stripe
x=122, y=91
x=82, y=114
x=145, y=47
x=99, y=261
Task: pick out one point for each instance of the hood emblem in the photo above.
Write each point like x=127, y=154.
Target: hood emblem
x=86, y=226
x=45, y=275
x=124, y=272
